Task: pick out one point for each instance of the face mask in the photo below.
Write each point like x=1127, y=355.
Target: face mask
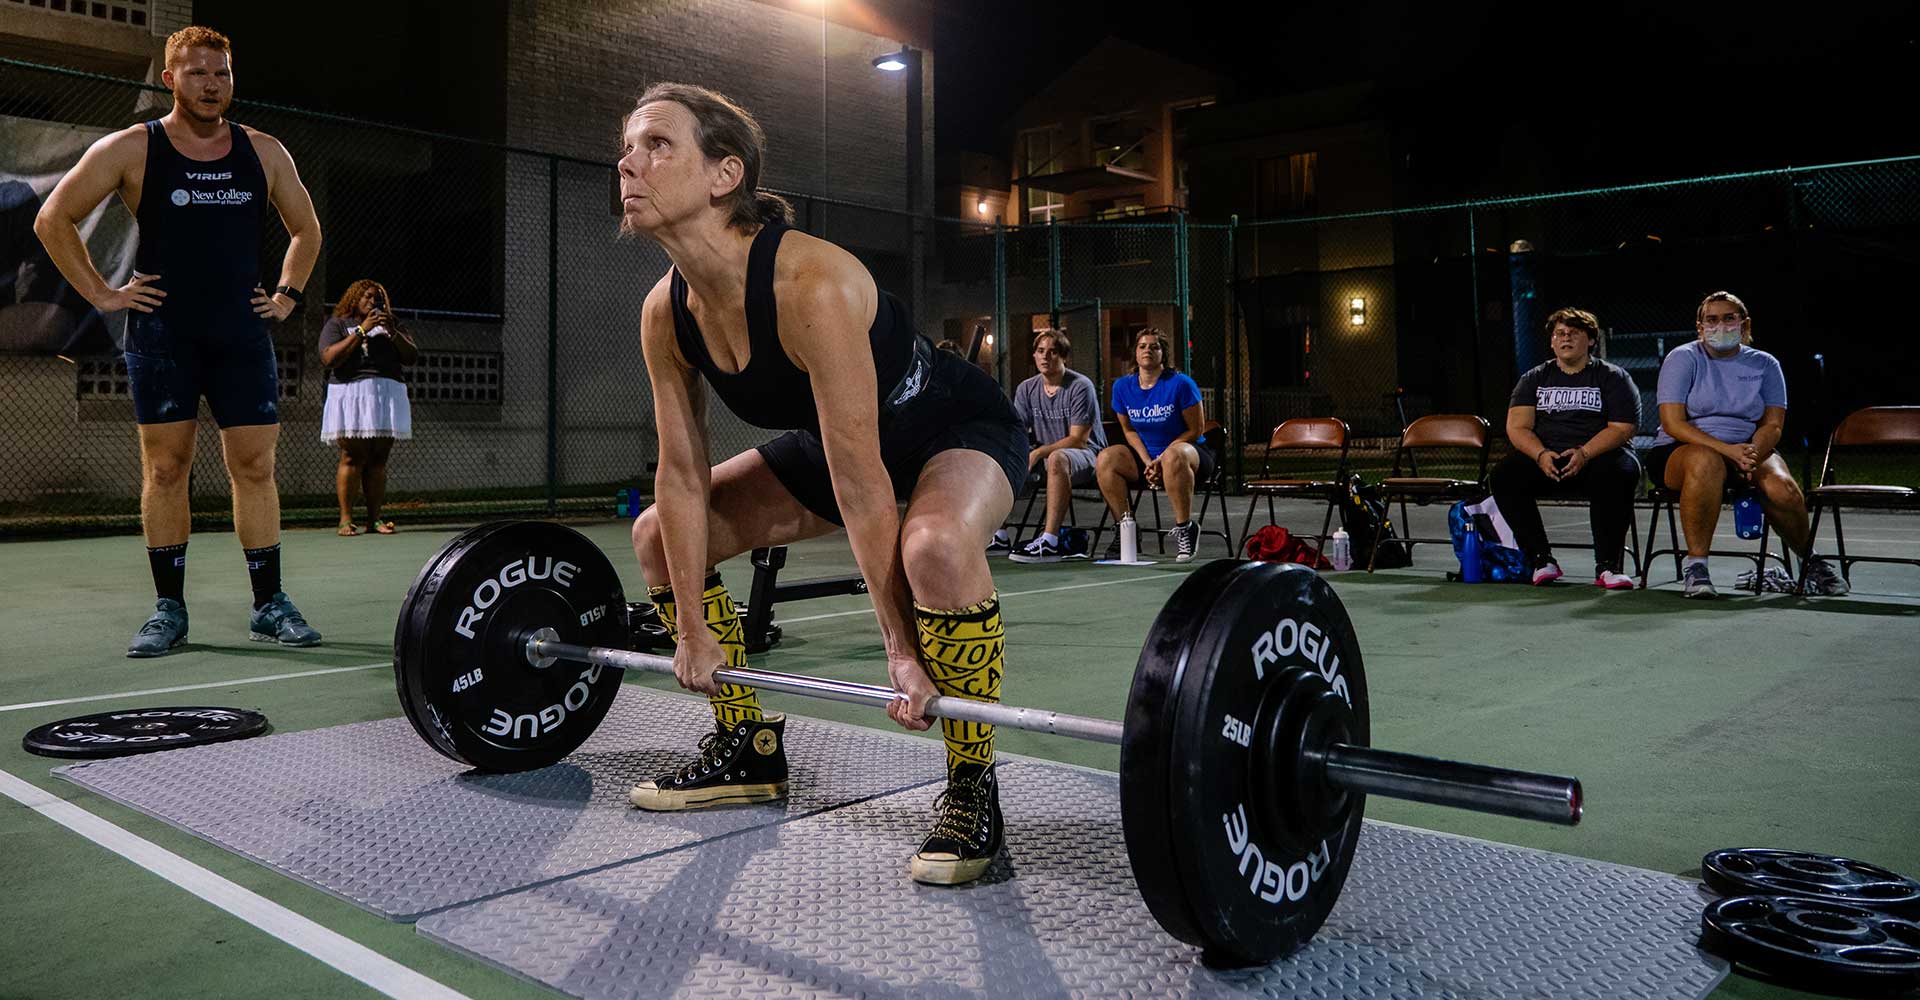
x=1723, y=338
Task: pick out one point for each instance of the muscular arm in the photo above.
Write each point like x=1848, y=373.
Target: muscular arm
x=683, y=484
x=1133, y=438
x=823, y=327
x=1766, y=437
x=1520, y=431
x=1077, y=435
x=295, y=206
x=404, y=344
x=1195, y=417
x=350, y=340
x=104, y=169
x=1614, y=435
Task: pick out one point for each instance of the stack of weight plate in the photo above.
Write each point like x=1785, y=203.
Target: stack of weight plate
x=1813, y=921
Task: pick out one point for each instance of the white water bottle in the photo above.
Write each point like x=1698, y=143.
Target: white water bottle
x=1129, y=539
x=1340, y=553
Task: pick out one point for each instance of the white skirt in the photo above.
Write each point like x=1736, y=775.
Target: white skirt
x=366, y=408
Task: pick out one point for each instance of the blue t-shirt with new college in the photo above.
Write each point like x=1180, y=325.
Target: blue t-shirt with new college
x=1725, y=397
x=1156, y=413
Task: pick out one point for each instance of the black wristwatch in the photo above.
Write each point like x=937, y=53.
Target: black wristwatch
x=290, y=292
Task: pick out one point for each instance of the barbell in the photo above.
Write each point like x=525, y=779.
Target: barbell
x=1244, y=756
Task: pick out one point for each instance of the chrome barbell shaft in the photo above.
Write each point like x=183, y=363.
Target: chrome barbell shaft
x=992, y=713
x=1544, y=797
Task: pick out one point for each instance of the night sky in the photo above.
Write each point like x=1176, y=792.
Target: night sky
x=1625, y=92
x=1622, y=89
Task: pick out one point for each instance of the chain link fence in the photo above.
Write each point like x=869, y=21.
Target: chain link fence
x=530, y=395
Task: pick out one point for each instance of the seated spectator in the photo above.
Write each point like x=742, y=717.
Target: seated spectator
x=1061, y=410
x=1723, y=404
x=1569, y=422
x=1161, y=416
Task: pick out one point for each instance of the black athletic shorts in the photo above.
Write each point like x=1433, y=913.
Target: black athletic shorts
x=229, y=360
x=958, y=407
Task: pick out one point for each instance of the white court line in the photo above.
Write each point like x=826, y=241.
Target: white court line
x=362, y=963
x=192, y=687
x=1017, y=593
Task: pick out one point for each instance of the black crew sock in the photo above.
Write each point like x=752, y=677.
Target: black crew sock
x=263, y=569
x=169, y=565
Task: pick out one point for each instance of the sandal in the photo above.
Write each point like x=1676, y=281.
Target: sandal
x=384, y=527
x=347, y=530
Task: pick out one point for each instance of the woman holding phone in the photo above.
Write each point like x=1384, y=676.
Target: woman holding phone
x=365, y=351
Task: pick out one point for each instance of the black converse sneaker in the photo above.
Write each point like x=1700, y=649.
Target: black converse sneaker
x=747, y=763
x=1186, y=538
x=966, y=829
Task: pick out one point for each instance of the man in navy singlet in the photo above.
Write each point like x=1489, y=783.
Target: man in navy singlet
x=198, y=185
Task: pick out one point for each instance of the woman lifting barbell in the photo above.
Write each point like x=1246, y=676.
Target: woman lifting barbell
x=793, y=335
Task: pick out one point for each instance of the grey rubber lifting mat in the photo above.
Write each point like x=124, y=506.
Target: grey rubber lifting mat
x=370, y=813
x=822, y=906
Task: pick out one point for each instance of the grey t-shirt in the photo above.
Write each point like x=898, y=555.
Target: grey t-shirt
x=378, y=357
x=1048, y=418
x=1725, y=397
x=1568, y=410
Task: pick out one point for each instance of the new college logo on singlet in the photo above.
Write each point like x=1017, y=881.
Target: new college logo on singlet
x=218, y=196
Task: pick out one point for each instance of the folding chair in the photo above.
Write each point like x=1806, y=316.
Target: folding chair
x=1665, y=499
x=1873, y=427
x=1213, y=487
x=1436, y=431
x=1299, y=434
x=1037, y=492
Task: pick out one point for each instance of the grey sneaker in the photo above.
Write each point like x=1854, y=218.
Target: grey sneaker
x=1186, y=537
x=1822, y=581
x=279, y=621
x=1696, y=583
x=165, y=630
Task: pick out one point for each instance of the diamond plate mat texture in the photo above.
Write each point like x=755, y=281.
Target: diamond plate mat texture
x=370, y=813
x=822, y=907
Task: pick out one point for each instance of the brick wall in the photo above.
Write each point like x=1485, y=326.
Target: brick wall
x=574, y=68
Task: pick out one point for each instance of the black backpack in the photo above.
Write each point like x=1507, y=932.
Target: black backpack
x=1364, y=518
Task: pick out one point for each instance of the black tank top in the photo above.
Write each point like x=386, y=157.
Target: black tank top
x=770, y=392
x=200, y=225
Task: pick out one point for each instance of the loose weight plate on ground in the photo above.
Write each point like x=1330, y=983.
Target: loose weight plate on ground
x=1814, y=944
x=466, y=682
x=1759, y=871
x=1238, y=842
x=141, y=730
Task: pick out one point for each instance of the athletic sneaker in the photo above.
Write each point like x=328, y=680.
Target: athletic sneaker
x=1546, y=573
x=1040, y=550
x=1000, y=542
x=967, y=830
x=1696, y=583
x=1822, y=581
x=1113, y=548
x=165, y=630
x=1186, y=538
x=745, y=764
x=279, y=621
x=1613, y=580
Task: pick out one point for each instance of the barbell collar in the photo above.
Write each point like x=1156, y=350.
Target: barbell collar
x=1549, y=798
